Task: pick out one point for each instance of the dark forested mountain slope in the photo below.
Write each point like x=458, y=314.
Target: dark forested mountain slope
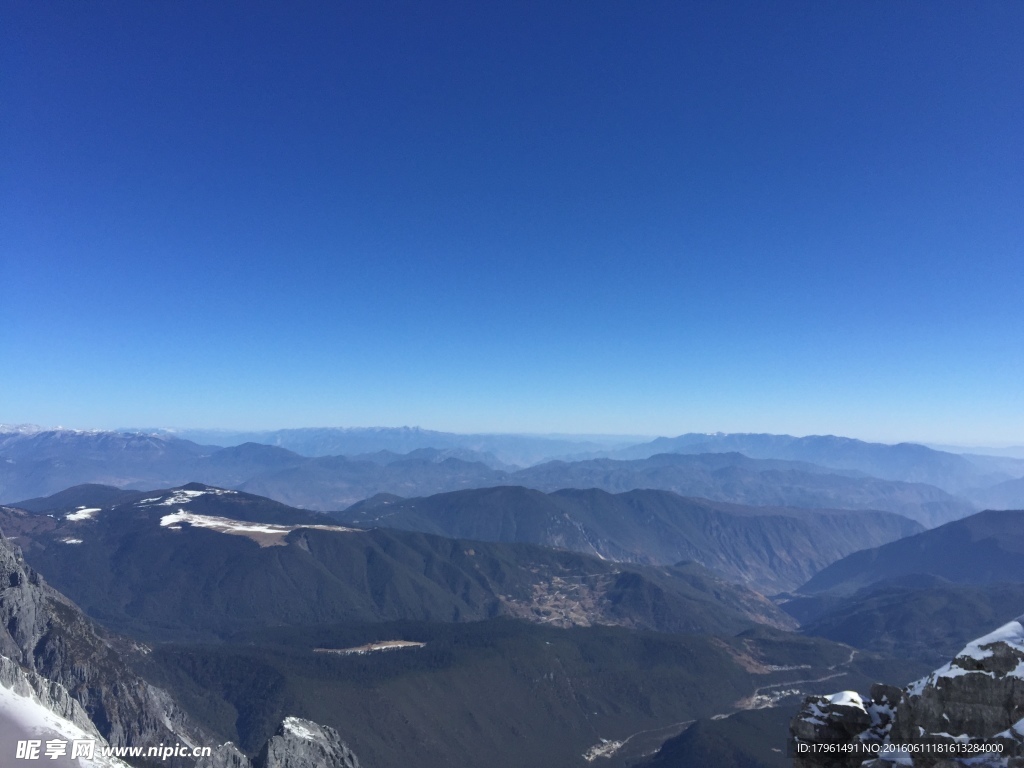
x=755, y=738
x=266, y=582
x=984, y=548
x=201, y=562
x=923, y=618
x=85, y=495
x=496, y=693
x=772, y=549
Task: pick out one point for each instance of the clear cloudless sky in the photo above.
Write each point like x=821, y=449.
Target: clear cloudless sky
x=582, y=216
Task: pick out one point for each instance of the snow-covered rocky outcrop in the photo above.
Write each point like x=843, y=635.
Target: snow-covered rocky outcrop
x=969, y=711
x=298, y=743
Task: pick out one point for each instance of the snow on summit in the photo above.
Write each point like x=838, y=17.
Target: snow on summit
x=1011, y=633
x=847, y=699
x=298, y=728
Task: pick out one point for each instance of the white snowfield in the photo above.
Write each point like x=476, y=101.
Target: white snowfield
x=265, y=534
x=82, y=513
x=182, y=496
x=383, y=645
x=24, y=717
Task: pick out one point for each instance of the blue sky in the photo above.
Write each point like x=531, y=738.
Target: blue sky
x=647, y=218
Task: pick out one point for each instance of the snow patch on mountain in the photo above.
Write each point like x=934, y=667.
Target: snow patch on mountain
x=82, y=513
x=182, y=496
x=265, y=534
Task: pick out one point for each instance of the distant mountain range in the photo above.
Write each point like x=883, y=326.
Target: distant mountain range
x=510, y=450
x=1006, y=495
x=907, y=462
x=772, y=549
x=1014, y=451
x=34, y=464
x=733, y=477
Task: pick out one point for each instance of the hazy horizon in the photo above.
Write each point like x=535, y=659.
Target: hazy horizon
x=581, y=436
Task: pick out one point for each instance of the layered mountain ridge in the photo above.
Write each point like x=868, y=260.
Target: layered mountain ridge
x=42, y=463
x=812, y=472
x=773, y=549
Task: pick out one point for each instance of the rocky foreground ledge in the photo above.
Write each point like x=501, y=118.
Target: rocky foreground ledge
x=298, y=743
x=968, y=712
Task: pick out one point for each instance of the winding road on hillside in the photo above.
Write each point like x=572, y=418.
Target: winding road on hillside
x=623, y=752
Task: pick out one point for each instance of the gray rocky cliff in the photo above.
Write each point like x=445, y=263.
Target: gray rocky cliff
x=297, y=743
x=225, y=756
x=48, y=636
x=943, y=719
x=304, y=744
x=51, y=695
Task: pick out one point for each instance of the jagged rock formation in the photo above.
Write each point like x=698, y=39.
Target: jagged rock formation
x=225, y=756
x=32, y=707
x=49, y=694
x=976, y=699
x=304, y=744
x=298, y=743
x=48, y=636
